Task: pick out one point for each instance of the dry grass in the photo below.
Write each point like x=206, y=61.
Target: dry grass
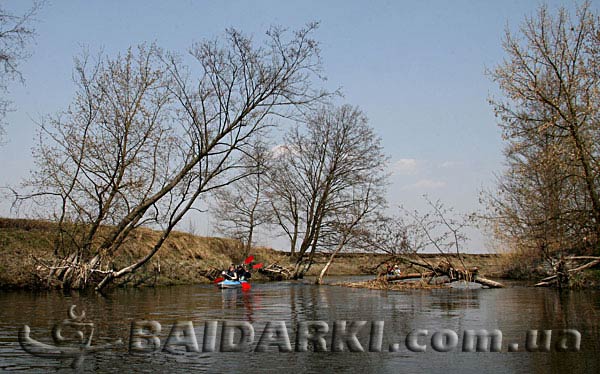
x=24, y=243
x=181, y=260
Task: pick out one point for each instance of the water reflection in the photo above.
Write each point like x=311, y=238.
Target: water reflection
x=513, y=310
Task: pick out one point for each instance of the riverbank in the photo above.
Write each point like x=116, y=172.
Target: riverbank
x=27, y=244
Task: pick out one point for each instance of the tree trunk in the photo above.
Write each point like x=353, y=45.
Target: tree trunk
x=327, y=265
x=294, y=240
x=249, y=242
x=589, y=178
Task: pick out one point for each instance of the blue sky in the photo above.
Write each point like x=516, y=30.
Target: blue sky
x=417, y=69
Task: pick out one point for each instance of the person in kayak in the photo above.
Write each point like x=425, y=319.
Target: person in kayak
x=242, y=273
x=231, y=274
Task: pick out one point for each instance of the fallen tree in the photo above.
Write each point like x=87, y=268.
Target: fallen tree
x=404, y=239
x=446, y=269
x=563, y=274
x=276, y=272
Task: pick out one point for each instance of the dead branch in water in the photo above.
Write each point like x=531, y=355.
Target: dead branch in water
x=445, y=269
x=276, y=272
x=554, y=279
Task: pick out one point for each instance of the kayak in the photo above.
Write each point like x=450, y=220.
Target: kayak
x=231, y=283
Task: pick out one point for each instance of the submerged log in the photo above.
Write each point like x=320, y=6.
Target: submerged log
x=546, y=284
x=488, y=282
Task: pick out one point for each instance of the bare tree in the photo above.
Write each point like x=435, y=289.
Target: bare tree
x=349, y=222
x=397, y=236
x=536, y=209
x=411, y=232
x=284, y=195
x=548, y=201
x=319, y=168
x=16, y=31
x=242, y=208
x=442, y=229
x=145, y=138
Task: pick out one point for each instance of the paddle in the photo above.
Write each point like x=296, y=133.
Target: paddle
x=248, y=260
x=246, y=286
x=257, y=266
x=219, y=279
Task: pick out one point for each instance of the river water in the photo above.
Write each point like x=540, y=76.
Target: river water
x=513, y=310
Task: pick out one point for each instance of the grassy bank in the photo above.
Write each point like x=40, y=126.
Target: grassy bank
x=25, y=244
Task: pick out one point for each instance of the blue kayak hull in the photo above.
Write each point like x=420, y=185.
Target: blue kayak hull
x=230, y=284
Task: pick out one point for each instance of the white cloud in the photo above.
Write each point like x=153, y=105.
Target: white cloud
x=405, y=166
x=426, y=184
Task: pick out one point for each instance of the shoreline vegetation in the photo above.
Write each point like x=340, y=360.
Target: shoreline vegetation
x=26, y=246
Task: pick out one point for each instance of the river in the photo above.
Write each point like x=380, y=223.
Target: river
x=513, y=310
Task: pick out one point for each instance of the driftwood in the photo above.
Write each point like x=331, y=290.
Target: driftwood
x=211, y=273
x=554, y=279
x=391, y=278
x=488, y=282
x=276, y=272
x=446, y=269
